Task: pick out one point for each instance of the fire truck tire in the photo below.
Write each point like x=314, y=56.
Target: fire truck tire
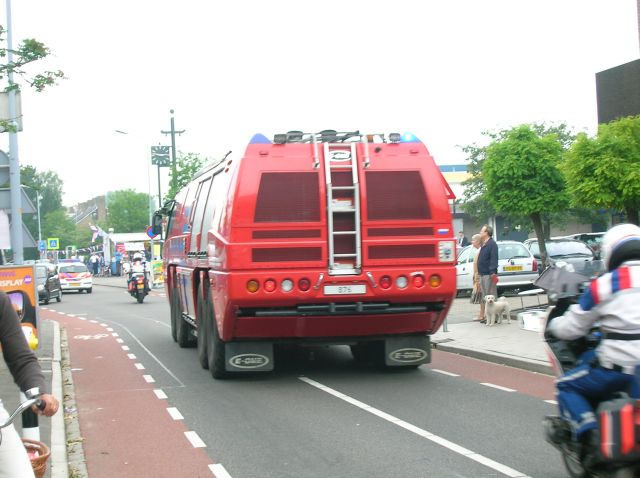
x=175, y=313
x=203, y=325
x=215, y=352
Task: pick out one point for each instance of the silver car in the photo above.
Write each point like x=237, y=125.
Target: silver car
x=517, y=268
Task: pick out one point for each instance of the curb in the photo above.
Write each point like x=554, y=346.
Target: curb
x=77, y=464
x=58, y=446
x=498, y=358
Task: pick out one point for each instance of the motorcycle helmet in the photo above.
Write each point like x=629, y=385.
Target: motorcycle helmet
x=137, y=256
x=621, y=243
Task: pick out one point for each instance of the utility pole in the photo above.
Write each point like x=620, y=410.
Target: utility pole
x=14, y=163
x=173, y=132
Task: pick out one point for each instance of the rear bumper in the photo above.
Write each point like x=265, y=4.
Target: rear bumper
x=339, y=326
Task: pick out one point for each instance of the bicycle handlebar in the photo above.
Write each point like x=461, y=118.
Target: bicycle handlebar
x=21, y=408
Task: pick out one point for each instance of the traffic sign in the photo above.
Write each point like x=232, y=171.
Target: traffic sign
x=160, y=156
x=42, y=245
x=150, y=232
x=53, y=243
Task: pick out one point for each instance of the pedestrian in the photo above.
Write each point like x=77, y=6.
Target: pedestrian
x=462, y=240
x=95, y=263
x=487, y=266
x=476, y=294
x=27, y=374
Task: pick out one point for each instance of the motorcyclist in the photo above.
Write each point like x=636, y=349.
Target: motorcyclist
x=612, y=301
x=139, y=264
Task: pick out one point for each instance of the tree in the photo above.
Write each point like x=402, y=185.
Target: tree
x=49, y=185
x=187, y=165
x=128, y=211
x=28, y=51
x=58, y=224
x=604, y=171
x=522, y=176
x=475, y=198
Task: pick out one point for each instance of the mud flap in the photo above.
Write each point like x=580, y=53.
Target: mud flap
x=249, y=356
x=403, y=351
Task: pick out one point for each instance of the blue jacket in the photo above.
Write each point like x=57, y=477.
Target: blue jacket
x=488, y=258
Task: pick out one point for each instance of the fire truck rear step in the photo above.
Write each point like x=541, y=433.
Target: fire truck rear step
x=337, y=158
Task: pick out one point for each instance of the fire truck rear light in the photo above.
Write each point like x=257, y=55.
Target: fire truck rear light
x=253, y=286
x=435, y=280
x=418, y=281
x=287, y=285
x=304, y=284
x=270, y=285
x=385, y=282
x=401, y=282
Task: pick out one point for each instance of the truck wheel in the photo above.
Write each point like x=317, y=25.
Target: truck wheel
x=183, y=333
x=175, y=313
x=203, y=326
x=215, y=351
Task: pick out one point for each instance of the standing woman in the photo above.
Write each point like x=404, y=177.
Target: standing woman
x=476, y=294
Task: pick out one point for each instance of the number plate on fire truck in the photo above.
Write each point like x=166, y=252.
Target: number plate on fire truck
x=345, y=289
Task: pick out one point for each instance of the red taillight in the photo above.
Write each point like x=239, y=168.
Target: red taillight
x=535, y=266
x=385, y=282
x=418, y=281
x=269, y=285
x=140, y=280
x=304, y=284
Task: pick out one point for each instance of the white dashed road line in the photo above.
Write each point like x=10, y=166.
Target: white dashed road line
x=219, y=471
x=488, y=462
x=131, y=356
x=139, y=366
x=445, y=373
x=175, y=414
x=194, y=439
x=504, y=389
x=148, y=378
x=160, y=394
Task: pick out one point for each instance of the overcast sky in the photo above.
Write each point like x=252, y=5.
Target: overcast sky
x=444, y=70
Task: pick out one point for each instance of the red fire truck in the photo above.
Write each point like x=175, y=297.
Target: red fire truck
x=322, y=238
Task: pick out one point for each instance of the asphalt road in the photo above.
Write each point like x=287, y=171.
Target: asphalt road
x=321, y=414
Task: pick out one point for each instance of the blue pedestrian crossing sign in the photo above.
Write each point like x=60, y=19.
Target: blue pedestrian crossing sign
x=42, y=245
x=53, y=243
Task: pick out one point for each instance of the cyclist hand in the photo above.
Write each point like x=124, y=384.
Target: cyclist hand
x=50, y=405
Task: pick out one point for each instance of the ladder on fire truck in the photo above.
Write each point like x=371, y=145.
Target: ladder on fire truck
x=343, y=208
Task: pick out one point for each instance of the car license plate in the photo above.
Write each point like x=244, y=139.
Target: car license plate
x=74, y=284
x=140, y=286
x=512, y=268
x=345, y=289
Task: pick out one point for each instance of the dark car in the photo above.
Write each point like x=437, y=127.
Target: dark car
x=569, y=251
x=48, y=283
x=591, y=239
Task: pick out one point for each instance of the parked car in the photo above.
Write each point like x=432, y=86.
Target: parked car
x=591, y=239
x=75, y=276
x=517, y=268
x=569, y=251
x=48, y=283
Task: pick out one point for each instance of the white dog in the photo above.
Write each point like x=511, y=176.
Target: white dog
x=495, y=309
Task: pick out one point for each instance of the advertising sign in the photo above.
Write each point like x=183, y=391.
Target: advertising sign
x=158, y=275
x=19, y=283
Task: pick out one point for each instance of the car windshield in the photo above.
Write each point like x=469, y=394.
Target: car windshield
x=512, y=251
x=73, y=268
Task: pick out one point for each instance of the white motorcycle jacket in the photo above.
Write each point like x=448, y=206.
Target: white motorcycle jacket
x=613, y=302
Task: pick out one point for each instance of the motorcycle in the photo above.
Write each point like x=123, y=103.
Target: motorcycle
x=138, y=285
x=615, y=452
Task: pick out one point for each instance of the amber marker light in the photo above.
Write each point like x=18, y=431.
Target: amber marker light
x=435, y=280
x=253, y=285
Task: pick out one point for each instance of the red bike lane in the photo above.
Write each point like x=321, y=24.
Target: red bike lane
x=126, y=428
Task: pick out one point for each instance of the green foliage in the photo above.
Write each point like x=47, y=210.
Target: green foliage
x=29, y=51
x=58, y=224
x=187, y=165
x=521, y=173
x=522, y=176
x=475, y=198
x=128, y=211
x=49, y=185
x=604, y=171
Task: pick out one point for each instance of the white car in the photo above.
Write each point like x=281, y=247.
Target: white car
x=517, y=268
x=75, y=276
